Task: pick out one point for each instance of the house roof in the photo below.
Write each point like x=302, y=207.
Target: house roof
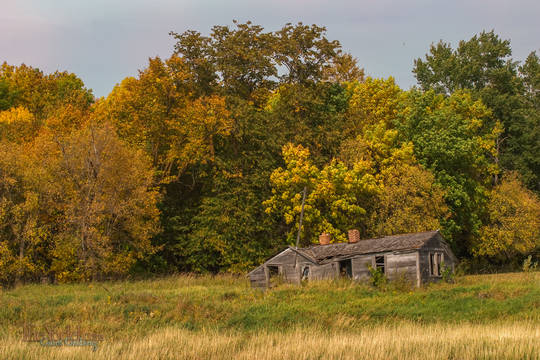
x=384, y=244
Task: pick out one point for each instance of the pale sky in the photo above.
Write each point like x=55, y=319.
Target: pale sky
x=103, y=41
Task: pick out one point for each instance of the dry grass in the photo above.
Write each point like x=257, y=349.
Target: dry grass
x=404, y=341
x=205, y=317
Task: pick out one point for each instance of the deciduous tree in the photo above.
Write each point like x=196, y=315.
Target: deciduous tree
x=336, y=195
x=452, y=138
x=157, y=113
x=484, y=65
x=513, y=226
x=108, y=203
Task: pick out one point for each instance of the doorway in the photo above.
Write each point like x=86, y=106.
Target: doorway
x=345, y=268
x=274, y=277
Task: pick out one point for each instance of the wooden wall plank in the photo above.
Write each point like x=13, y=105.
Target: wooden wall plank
x=360, y=267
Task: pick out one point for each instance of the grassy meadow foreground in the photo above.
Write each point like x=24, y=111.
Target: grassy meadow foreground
x=189, y=317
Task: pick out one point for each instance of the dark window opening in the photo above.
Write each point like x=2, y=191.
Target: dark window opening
x=273, y=275
x=379, y=263
x=345, y=268
x=273, y=271
x=435, y=264
x=305, y=273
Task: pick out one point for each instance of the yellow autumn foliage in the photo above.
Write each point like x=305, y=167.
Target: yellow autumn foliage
x=158, y=114
x=513, y=227
x=17, y=124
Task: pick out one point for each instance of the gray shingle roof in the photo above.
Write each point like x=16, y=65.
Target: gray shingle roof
x=387, y=243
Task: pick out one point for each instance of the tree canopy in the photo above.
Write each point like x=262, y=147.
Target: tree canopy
x=198, y=163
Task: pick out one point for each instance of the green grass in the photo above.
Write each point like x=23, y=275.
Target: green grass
x=122, y=311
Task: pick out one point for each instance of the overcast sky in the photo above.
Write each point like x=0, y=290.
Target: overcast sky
x=103, y=41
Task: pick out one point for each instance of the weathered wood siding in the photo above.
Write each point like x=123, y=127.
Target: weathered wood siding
x=258, y=278
x=290, y=273
x=401, y=265
x=285, y=257
x=425, y=273
x=360, y=267
x=435, y=245
x=424, y=266
x=285, y=261
x=326, y=271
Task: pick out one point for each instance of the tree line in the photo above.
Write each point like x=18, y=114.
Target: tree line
x=198, y=163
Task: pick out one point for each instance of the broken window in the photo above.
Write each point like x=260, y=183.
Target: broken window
x=345, y=268
x=435, y=261
x=305, y=273
x=379, y=263
x=273, y=270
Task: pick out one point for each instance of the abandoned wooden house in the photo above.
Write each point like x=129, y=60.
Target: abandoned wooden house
x=419, y=257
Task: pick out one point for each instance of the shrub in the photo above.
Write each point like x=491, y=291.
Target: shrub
x=402, y=283
x=529, y=265
x=446, y=273
x=378, y=279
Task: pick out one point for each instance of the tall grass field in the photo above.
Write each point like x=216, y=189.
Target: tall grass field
x=221, y=317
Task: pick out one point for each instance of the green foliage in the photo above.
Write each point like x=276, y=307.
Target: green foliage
x=220, y=139
x=528, y=161
x=484, y=66
x=226, y=233
x=476, y=63
x=312, y=115
x=214, y=219
x=7, y=95
x=305, y=52
x=453, y=141
x=247, y=58
x=377, y=277
x=375, y=184
x=447, y=274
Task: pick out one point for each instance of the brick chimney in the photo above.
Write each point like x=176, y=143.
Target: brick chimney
x=354, y=236
x=324, y=238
